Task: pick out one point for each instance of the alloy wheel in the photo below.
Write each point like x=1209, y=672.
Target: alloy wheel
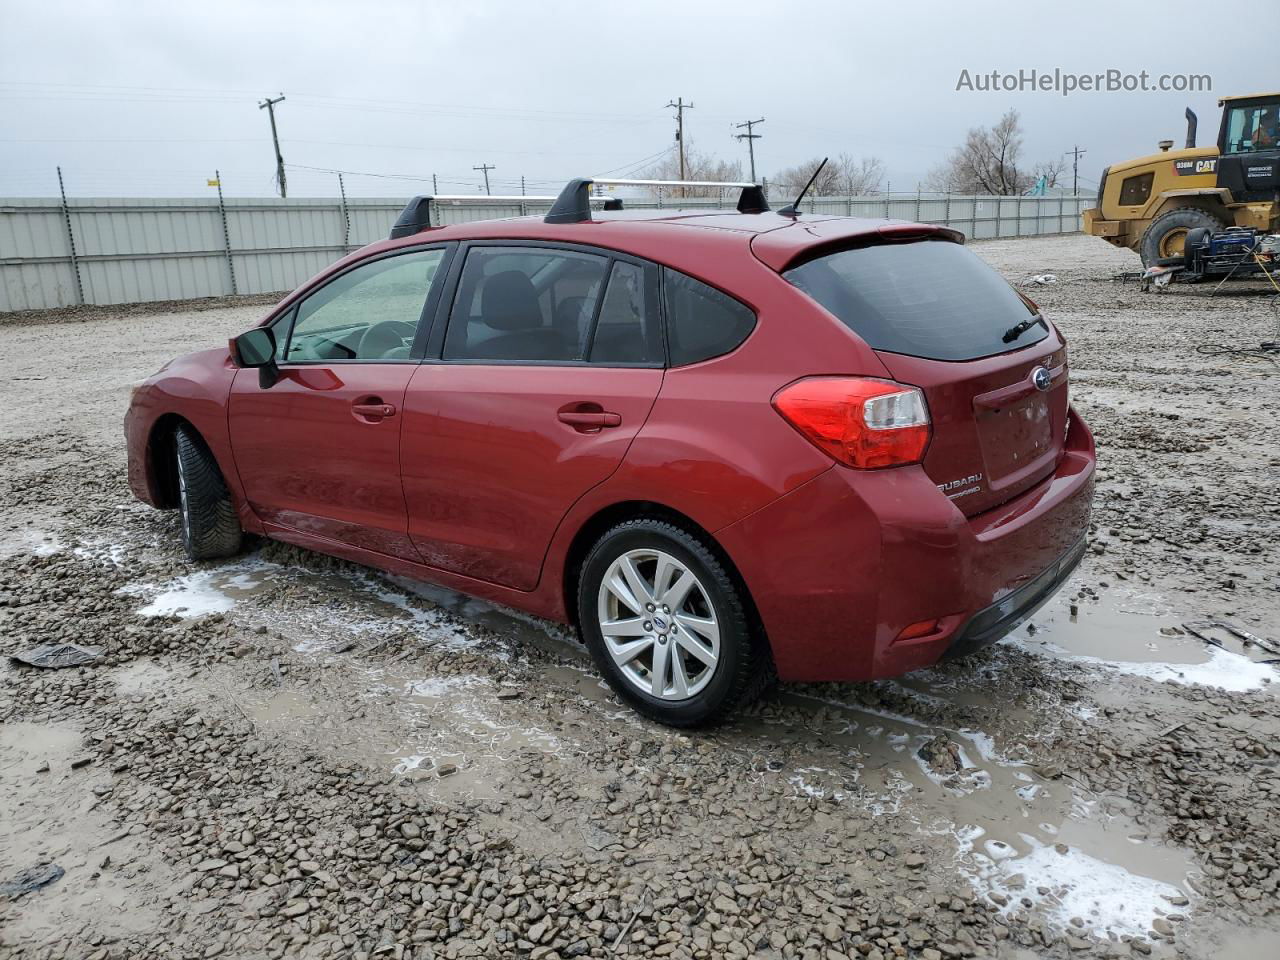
x=659, y=625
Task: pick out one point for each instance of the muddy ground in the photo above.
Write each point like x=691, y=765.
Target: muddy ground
x=289, y=755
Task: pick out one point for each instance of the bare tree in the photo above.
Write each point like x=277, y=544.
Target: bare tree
x=790, y=181
x=855, y=178
x=843, y=176
x=987, y=162
x=1051, y=170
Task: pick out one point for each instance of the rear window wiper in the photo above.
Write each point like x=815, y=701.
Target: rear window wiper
x=1021, y=327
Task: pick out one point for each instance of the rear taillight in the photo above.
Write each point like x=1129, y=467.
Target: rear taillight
x=859, y=421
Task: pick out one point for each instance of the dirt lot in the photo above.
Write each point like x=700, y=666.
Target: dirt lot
x=289, y=755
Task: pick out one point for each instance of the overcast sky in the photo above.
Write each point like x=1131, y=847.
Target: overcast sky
x=148, y=98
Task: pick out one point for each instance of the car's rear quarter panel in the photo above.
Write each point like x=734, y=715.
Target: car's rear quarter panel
x=840, y=565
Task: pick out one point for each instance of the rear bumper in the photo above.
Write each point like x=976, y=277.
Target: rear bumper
x=1003, y=617
x=840, y=566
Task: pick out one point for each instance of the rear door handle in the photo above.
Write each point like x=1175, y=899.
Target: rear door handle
x=373, y=411
x=590, y=421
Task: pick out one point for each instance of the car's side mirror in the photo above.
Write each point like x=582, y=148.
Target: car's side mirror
x=257, y=348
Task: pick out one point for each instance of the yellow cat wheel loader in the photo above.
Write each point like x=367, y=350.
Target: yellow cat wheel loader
x=1154, y=203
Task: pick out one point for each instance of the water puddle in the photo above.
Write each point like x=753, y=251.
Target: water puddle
x=203, y=592
x=454, y=733
x=1027, y=835
x=1240, y=944
x=285, y=708
x=1081, y=873
x=511, y=624
x=140, y=678
x=459, y=734
x=1136, y=633
x=41, y=543
x=102, y=551
x=324, y=607
x=451, y=733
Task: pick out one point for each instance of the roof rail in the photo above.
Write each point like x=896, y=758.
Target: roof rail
x=574, y=203
x=417, y=213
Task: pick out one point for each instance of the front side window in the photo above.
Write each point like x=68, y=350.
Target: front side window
x=369, y=313
x=524, y=304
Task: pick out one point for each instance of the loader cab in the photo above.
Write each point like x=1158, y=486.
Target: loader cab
x=1249, y=147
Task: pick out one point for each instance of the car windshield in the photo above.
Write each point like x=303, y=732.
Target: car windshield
x=930, y=298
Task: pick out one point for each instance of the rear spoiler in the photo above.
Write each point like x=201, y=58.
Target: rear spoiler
x=786, y=248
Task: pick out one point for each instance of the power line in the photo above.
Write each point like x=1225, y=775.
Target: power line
x=751, y=137
x=631, y=167
x=95, y=92
x=270, y=106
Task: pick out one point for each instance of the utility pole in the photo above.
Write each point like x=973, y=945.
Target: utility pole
x=485, y=167
x=270, y=106
x=1076, y=154
x=750, y=137
x=680, y=107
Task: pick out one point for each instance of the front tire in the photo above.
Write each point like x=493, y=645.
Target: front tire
x=210, y=527
x=667, y=625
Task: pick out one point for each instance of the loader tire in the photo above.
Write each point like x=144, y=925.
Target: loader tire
x=1167, y=235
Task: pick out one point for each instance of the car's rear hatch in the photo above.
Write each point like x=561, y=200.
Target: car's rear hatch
x=996, y=434
x=993, y=371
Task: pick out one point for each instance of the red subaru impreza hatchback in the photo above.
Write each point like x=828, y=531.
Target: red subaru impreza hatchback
x=726, y=446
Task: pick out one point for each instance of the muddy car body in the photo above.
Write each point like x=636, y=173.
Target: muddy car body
x=852, y=436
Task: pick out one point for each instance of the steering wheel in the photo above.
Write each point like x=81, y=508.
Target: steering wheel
x=381, y=339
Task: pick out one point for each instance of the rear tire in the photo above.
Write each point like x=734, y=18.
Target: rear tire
x=210, y=527
x=1168, y=234
x=686, y=655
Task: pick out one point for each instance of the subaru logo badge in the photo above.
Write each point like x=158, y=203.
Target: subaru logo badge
x=1041, y=378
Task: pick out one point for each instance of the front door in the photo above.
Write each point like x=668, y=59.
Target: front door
x=549, y=368
x=318, y=451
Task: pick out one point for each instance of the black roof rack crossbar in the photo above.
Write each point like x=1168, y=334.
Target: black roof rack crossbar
x=418, y=214
x=574, y=203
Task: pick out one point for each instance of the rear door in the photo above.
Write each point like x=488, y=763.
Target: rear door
x=993, y=371
x=550, y=365
x=318, y=452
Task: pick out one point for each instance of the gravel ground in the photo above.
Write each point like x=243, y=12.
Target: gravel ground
x=289, y=755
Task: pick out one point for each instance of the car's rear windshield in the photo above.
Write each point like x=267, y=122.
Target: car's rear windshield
x=928, y=298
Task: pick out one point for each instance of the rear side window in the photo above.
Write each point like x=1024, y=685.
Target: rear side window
x=931, y=299
x=702, y=322
x=627, y=330
x=516, y=303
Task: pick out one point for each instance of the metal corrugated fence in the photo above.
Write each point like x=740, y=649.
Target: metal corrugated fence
x=104, y=251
